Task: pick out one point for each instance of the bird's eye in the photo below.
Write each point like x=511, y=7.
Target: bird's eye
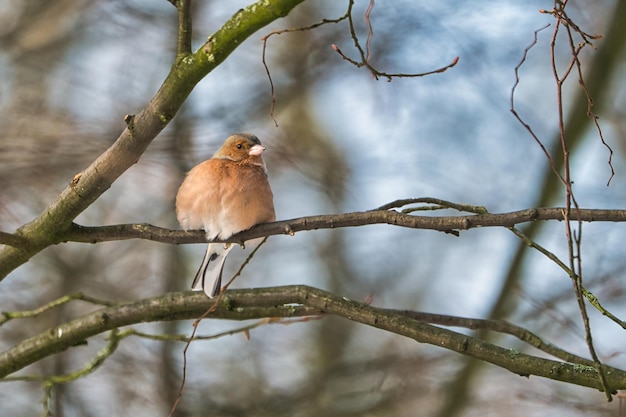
x=239, y=146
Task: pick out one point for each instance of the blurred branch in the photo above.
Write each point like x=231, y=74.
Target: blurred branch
x=50, y=381
x=87, y=186
x=294, y=301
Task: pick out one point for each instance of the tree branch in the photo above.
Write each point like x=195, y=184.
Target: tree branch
x=174, y=306
x=365, y=55
x=293, y=301
x=184, y=29
x=499, y=326
x=97, y=234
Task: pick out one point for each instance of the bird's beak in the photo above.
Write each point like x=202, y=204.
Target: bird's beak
x=256, y=150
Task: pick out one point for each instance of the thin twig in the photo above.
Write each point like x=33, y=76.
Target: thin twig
x=513, y=110
x=591, y=298
x=183, y=380
x=575, y=49
x=439, y=204
x=196, y=323
x=243, y=265
x=370, y=31
x=366, y=55
x=269, y=77
x=5, y=316
x=573, y=243
x=265, y=38
x=243, y=329
x=376, y=73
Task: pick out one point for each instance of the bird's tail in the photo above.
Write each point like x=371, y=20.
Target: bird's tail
x=209, y=276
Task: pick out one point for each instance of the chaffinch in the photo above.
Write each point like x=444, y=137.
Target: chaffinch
x=225, y=195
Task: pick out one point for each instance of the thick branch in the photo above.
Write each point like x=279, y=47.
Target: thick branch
x=85, y=234
x=243, y=305
x=291, y=301
x=141, y=129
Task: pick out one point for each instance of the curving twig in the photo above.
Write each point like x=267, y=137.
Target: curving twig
x=5, y=316
x=265, y=38
x=366, y=55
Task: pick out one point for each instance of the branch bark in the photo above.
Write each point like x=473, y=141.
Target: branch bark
x=21, y=245
x=293, y=301
x=451, y=224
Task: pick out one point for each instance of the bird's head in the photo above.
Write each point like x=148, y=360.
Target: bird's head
x=241, y=147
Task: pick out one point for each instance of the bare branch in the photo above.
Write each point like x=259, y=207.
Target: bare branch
x=265, y=38
x=184, y=29
x=370, y=31
x=97, y=234
x=573, y=244
x=517, y=115
x=499, y=326
x=174, y=306
x=591, y=298
x=365, y=55
x=294, y=301
x=391, y=76
x=10, y=315
x=439, y=204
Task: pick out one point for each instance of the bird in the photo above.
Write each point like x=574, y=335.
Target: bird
x=225, y=195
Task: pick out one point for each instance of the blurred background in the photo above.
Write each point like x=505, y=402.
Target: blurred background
x=71, y=69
